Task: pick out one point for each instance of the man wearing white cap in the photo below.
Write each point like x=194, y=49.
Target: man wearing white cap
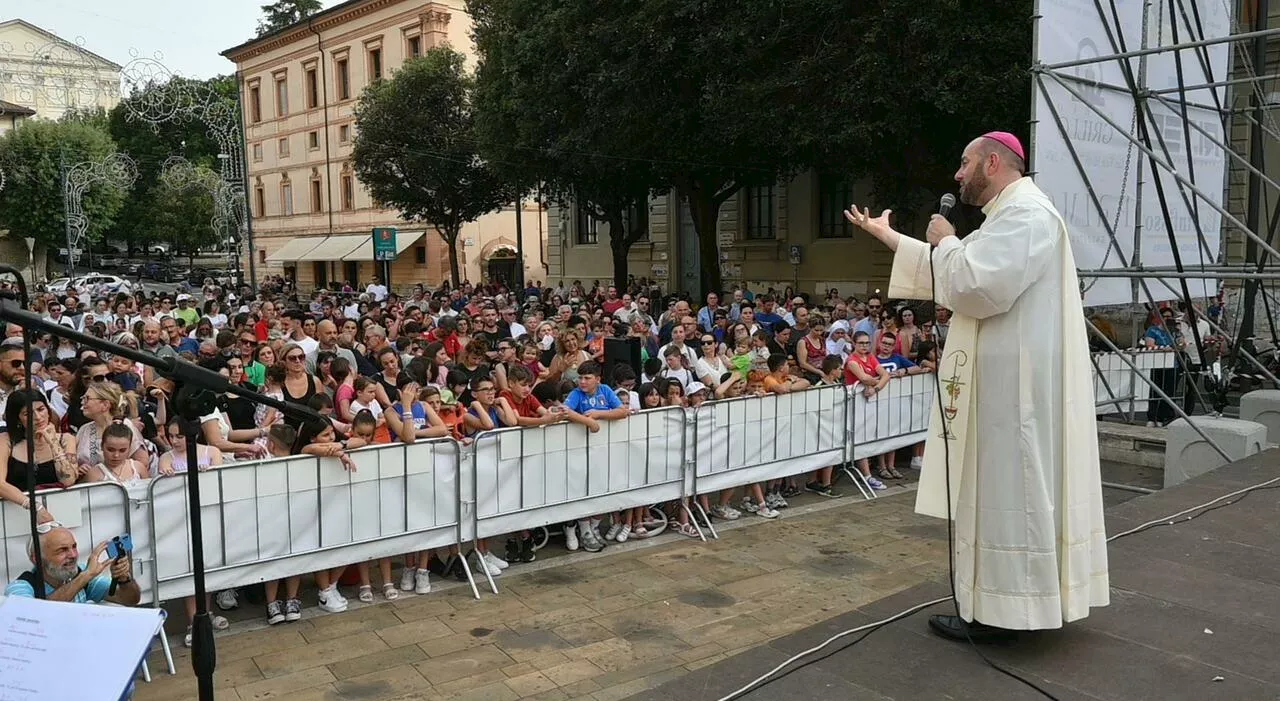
x=1019, y=444
x=185, y=310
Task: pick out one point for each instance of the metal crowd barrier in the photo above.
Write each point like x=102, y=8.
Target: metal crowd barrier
x=536, y=476
x=1117, y=386
x=753, y=439
x=270, y=519
x=94, y=512
x=894, y=418
x=276, y=518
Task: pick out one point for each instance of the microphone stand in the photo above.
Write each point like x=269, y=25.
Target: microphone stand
x=196, y=397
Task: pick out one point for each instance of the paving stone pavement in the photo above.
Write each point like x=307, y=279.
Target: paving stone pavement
x=597, y=627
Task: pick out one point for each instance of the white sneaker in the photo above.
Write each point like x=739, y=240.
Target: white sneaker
x=332, y=601
x=614, y=530
x=480, y=563
x=917, y=463
x=766, y=512
x=571, y=537
x=422, y=582
x=406, y=579
x=226, y=599
x=496, y=561
x=624, y=534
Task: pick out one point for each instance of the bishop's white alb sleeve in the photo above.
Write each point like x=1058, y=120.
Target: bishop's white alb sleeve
x=985, y=274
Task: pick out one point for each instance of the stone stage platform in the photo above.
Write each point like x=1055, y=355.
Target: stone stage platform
x=1195, y=614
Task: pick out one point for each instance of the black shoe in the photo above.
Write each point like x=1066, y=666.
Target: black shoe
x=527, y=553
x=438, y=567
x=513, y=551
x=956, y=628
x=455, y=568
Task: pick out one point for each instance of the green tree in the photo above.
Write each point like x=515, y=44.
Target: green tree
x=415, y=148
x=283, y=13
x=716, y=95
x=535, y=120
x=32, y=157
x=151, y=145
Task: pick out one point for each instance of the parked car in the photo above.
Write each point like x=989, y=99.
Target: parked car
x=99, y=282
x=58, y=286
x=108, y=261
x=158, y=249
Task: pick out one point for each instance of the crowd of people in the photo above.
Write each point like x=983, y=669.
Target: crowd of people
x=452, y=362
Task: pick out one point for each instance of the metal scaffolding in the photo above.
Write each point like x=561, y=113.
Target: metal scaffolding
x=1160, y=153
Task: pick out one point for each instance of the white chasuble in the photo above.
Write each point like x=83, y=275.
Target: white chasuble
x=1017, y=391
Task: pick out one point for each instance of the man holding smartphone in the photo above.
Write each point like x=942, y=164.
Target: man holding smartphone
x=66, y=580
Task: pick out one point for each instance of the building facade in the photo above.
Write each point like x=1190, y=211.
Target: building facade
x=312, y=217
x=11, y=115
x=792, y=234
x=50, y=76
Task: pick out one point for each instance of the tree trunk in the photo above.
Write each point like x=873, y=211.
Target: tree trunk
x=705, y=211
x=619, y=247
x=451, y=243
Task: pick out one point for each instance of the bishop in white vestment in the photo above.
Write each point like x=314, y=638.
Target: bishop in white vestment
x=1017, y=394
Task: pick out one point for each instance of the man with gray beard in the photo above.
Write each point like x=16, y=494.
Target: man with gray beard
x=66, y=580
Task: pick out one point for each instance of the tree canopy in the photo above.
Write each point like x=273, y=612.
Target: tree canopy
x=283, y=13
x=710, y=96
x=140, y=220
x=415, y=148
x=33, y=157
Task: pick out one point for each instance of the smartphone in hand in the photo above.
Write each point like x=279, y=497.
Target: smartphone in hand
x=119, y=546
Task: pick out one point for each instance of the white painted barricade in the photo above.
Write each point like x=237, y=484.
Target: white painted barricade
x=1113, y=379
x=896, y=417
x=539, y=475
x=94, y=512
x=752, y=439
x=269, y=519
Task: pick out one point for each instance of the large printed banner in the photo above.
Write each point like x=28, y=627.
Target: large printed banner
x=1069, y=30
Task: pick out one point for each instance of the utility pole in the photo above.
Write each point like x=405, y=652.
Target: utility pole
x=66, y=213
x=518, y=282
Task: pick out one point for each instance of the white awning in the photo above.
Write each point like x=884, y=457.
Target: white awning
x=295, y=249
x=335, y=247
x=404, y=239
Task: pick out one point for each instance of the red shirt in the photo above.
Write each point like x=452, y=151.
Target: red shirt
x=611, y=306
x=260, y=330
x=869, y=365
x=527, y=409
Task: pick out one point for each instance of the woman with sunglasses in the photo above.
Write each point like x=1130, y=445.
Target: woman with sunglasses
x=299, y=385
x=92, y=369
x=55, y=452
x=104, y=404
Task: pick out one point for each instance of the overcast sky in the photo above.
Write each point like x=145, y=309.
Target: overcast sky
x=188, y=34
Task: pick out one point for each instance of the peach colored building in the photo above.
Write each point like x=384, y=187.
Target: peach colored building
x=312, y=218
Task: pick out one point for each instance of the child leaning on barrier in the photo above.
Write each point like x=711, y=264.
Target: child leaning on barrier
x=591, y=401
x=487, y=412
x=280, y=443
x=528, y=412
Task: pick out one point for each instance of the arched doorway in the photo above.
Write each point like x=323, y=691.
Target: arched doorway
x=500, y=266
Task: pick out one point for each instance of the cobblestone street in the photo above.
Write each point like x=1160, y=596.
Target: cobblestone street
x=598, y=627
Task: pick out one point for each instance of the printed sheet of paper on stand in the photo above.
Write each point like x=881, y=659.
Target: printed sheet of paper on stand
x=37, y=638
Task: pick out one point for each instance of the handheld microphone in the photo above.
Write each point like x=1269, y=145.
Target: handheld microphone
x=945, y=204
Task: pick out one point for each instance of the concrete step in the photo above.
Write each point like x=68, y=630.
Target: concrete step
x=1132, y=445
